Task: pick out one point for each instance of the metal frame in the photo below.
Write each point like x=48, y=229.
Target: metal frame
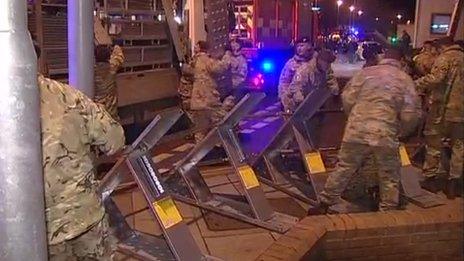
x=255, y=209
x=295, y=127
x=137, y=160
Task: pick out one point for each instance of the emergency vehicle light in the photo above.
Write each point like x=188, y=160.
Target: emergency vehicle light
x=267, y=66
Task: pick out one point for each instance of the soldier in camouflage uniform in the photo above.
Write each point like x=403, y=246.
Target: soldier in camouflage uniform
x=77, y=227
x=423, y=62
x=309, y=76
x=445, y=119
x=71, y=123
x=303, y=54
x=186, y=84
x=382, y=104
x=238, y=69
x=106, y=66
x=206, y=100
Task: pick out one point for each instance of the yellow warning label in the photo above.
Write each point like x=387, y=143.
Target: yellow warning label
x=248, y=177
x=167, y=212
x=315, y=163
x=404, y=156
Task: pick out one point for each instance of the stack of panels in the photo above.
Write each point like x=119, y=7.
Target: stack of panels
x=55, y=46
x=144, y=5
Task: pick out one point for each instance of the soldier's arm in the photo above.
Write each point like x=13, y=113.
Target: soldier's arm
x=411, y=111
x=285, y=79
x=243, y=69
x=332, y=82
x=435, y=77
x=105, y=133
x=117, y=58
x=218, y=66
x=351, y=92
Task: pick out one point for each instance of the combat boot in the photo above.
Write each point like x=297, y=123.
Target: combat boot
x=320, y=209
x=431, y=184
x=453, y=189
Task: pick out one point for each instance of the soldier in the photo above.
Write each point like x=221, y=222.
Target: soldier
x=186, y=83
x=107, y=64
x=238, y=69
x=77, y=227
x=445, y=119
x=206, y=99
x=382, y=104
x=303, y=54
x=309, y=76
x=423, y=62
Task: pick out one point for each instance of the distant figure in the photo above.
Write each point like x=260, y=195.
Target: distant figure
x=303, y=54
x=423, y=62
x=107, y=64
x=371, y=57
x=382, y=105
x=445, y=119
x=352, y=49
x=405, y=43
x=238, y=69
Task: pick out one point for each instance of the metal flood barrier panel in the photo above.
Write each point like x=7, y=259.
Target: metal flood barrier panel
x=298, y=128
x=255, y=208
x=179, y=243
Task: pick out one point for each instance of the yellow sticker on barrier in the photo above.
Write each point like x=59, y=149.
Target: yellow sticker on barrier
x=167, y=212
x=248, y=177
x=405, y=161
x=315, y=163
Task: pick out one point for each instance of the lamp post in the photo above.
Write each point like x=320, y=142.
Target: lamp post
x=352, y=8
x=339, y=3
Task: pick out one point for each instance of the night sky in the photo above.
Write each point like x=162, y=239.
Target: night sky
x=385, y=10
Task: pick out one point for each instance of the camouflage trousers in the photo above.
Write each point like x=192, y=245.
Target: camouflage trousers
x=206, y=120
x=435, y=159
x=96, y=244
x=352, y=156
x=454, y=131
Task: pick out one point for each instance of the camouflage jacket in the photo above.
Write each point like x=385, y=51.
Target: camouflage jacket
x=381, y=104
x=307, y=78
x=205, y=93
x=105, y=82
x=423, y=62
x=71, y=124
x=445, y=84
x=238, y=69
x=286, y=76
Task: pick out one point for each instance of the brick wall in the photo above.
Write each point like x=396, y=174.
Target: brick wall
x=413, y=234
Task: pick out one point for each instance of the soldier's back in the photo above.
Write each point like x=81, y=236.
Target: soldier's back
x=72, y=206
x=374, y=119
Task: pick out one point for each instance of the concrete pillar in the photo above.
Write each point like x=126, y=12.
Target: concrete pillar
x=22, y=215
x=81, y=45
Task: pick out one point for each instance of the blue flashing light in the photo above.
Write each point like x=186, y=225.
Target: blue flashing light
x=267, y=66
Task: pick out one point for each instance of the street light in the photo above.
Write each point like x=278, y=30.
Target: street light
x=360, y=12
x=352, y=8
x=339, y=3
x=399, y=16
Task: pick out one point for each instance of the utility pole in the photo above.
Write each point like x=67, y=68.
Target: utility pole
x=81, y=45
x=22, y=212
